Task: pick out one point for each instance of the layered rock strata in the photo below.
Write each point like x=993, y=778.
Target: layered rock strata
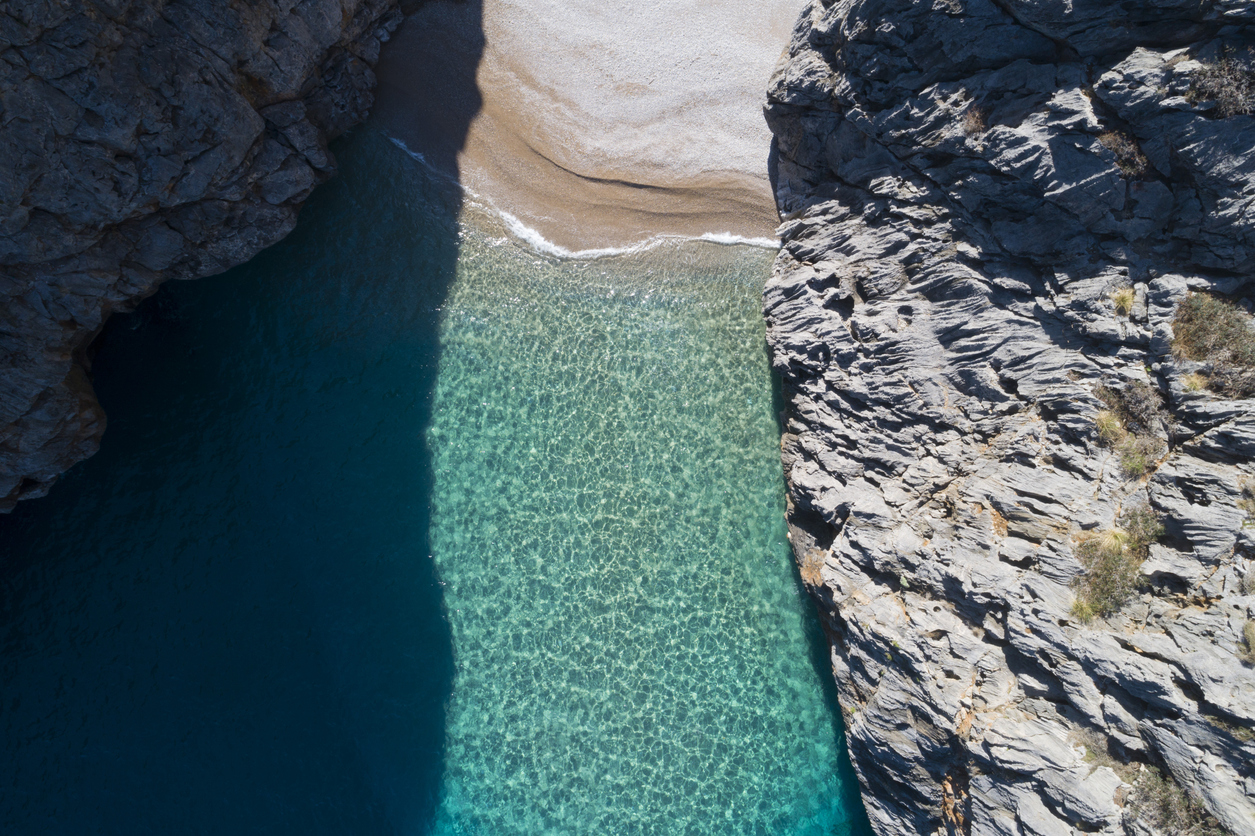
x=143, y=140
x=993, y=210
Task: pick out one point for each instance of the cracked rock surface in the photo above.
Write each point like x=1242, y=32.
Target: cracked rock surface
x=142, y=140
x=960, y=207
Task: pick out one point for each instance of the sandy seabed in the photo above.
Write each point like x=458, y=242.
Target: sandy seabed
x=595, y=124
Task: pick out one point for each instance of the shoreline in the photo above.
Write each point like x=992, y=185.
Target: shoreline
x=598, y=140
x=534, y=240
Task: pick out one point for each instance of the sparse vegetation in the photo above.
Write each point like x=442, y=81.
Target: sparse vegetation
x=1209, y=329
x=1230, y=83
x=1127, y=426
x=1138, y=406
x=1129, y=157
x=974, y=121
x=1241, y=731
x=1123, y=300
x=1143, y=527
x=1138, y=453
x=1098, y=754
x=1112, y=561
x=1156, y=800
x=1248, y=582
x=1248, y=643
x=1160, y=802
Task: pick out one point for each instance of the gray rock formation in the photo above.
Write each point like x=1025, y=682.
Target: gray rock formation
x=144, y=140
x=992, y=211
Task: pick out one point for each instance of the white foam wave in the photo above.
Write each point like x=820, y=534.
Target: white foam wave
x=729, y=239
x=535, y=241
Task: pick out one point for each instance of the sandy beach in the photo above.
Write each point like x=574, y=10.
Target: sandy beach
x=596, y=124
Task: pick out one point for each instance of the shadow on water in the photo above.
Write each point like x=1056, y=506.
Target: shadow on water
x=228, y=621
x=819, y=650
x=818, y=647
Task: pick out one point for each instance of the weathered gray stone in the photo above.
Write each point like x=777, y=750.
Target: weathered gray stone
x=144, y=140
x=956, y=220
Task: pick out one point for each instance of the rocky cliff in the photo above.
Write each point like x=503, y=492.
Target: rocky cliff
x=144, y=140
x=1011, y=317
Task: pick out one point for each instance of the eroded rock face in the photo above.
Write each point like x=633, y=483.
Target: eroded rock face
x=956, y=225
x=142, y=140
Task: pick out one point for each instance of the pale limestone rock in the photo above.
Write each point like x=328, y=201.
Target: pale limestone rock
x=955, y=223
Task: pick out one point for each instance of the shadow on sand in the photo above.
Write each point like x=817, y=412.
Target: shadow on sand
x=228, y=621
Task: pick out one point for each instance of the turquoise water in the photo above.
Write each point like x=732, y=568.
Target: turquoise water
x=401, y=528
x=607, y=521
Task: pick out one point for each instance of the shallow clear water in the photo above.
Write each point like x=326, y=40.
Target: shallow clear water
x=607, y=521
x=398, y=529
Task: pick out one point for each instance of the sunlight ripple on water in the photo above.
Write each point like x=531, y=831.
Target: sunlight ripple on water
x=607, y=521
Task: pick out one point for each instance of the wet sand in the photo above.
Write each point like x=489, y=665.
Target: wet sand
x=597, y=124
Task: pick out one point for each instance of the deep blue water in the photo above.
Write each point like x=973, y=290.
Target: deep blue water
x=400, y=527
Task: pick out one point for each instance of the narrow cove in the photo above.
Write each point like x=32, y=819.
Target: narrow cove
x=403, y=528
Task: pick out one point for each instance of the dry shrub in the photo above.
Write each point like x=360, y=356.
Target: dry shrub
x=1127, y=426
x=974, y=121
x=1194, y=382
x=1248, y=643
x=1143, y=527
x=1113, y=561
x=1208, y=329
x=1138, y=405
x=1129, y=157
x=1232, y=381
x=1230, y=83
x=1123, y=300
